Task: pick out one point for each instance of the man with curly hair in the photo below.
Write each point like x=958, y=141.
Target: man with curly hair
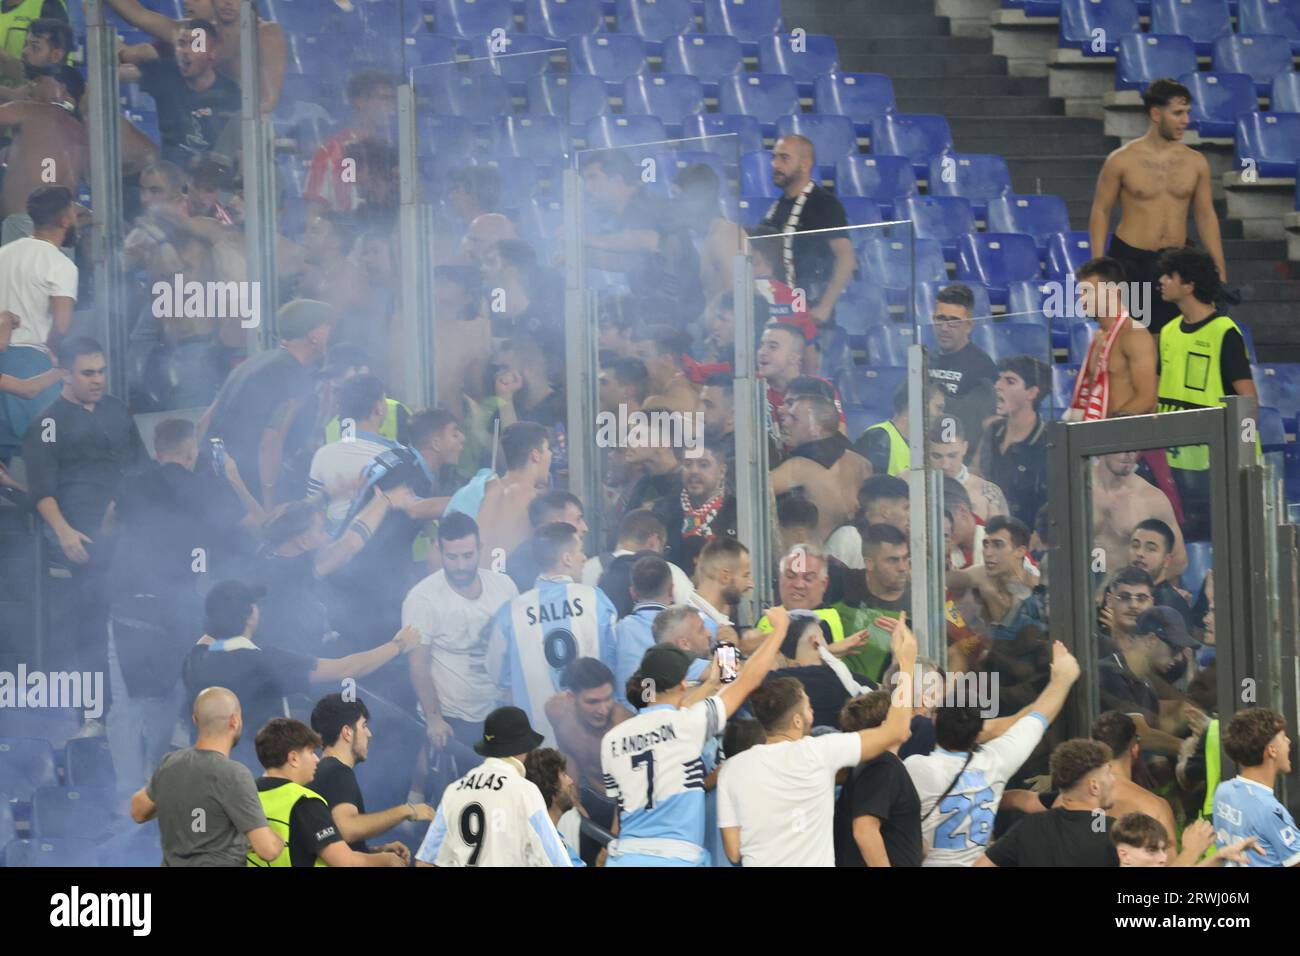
x=1245, y=806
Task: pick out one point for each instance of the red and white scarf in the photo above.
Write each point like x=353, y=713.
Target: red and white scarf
x=1091, y=399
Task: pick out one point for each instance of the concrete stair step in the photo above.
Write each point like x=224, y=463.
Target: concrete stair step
x=917, y=45
x=904, y=66
x=961, y=106
x=1270, y=249
x=1026, y=145
x=902, y=24
x=1013, y=126
x=988, y=84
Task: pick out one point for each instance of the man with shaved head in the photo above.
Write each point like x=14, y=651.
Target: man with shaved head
x=820, y=264
x=206, y=804
x=484, y=232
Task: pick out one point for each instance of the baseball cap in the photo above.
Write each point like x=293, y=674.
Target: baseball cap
x=227, y=607
x=665, y=665
x=1166, y=624
x=506, y=733
x=300, y=317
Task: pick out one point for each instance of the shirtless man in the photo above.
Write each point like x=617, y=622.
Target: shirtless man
x=822, y=461
x=1156, y=178
x=696, y=191
x=661, y=348
x=948, y=447
x=1119, y=732
x=272, y=46
x=503, y=515
x=1119, y=375
x=1120, y=500
x=1003, y=583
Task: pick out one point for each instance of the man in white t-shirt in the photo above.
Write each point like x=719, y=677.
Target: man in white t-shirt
x=38, y=284
x=452, y=610
x=961, y=783
x=776, y=801
x=336, y=468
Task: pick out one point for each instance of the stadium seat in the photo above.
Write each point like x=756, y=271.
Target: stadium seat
x=1217, y=98
x=888, y=342
x=523, y=58
x=1272, y=431
x=1062, y=387
x=860, y=96
x=925, y=297
x=51, y=853
x=1260, y=55
x=563, y=19
x=670, y=96
x=26, y=764
x=1249, y=340
x=756, y=175
x=833, y=137
x=323, y=54
x=1080, y=339
x=889, y=263
x=746, y=20
x=684, y=159
x=657, y=21
x=7, y=828
x=1082, y=19
x=766, y=96
x=1066, y=251
x=574, y=97
x=1270, y=16
x=946, y=218
x=1201, y=21
x=542, y=220
x=885, y=179
x=1271, y=140
x=997, y=259
x=88, y=762
x=873, y=387
x=1005, y=339
x=751, y=210
x=539, y=138
x=817, y=56
x=918, y=136
x=521, y=178
x=979, y=177
x=424, y=49
x=1199, y=562
x=605, y=132
x=1285, y=94
x=1028, y=299
x=861, y=305
x=476, y=97
x=55, y=724
x=1038, y=216
x=728, y=135
x=1144, y=57
x=471, y=18
x=62, y=813
x=707, y=57
x=612, y=57
x=861, y=212
x=1279, y=387
x=296, y=17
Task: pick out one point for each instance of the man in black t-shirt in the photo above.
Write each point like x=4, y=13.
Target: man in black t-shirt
x=1151, y=548
x=198, y=110
x=878, y=813
x=1013, y=450
x=962, y=367
x=344, y=728
x=821, y=264
x=1076, y=833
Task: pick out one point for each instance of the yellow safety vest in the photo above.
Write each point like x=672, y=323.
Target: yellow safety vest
x=334, y=431
x=1212, y=773
x=827, y=614
x=14, y=24
x=278, y=803
x=1191, y=377
x=900, y=454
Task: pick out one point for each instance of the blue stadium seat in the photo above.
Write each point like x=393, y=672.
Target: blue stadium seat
x=425, y=49
x=1041, y=8
x=26, y=764
x=297, y=17
x=728, y=135
x=946, y=218
x=1081, y=18
x=1067, y=251
x=1063, y=377
x=979, y=177
x=322, y=54
x=1249, y=339
x=1200, y=559
x=1144, y=57
x=997, y=259
x=88, y=762
x=1005, y=339
x=542, y=220
x=857, y=418
x=862, y=305
x=1202, y=21
x=1272, y=140
x=1260, y=55
x=521, y=60
x=477, y=97
x=686, y=158
x=767, y=96
x=874, y=387
x=539, y=138
x=1278, y=17
x=817, y=57
x=861, y=212
x=563, y=19
x=7, y=828
x=752, y=209
x=657, y=21
x=385, y=17
x=1038, y=216
x=918, y=136
x=1272, y=430
x=71, y=813
x=51, y=853
x=574, y=97
x=925, y=297
x=613, y=57
x=55, y=724
x=885, y=179
x=888, y=342
x=604, y=132
x=1028, y=299
x=1285, y=95
x=833, y=137
x=706, y=57
x=470, y=18
x=746, y=20
x=756, y=175
x=860, y=96
x=889, y=263
x=1217, y=98
x=521, y=178
x=670, y=96
x=1080, y=339
x=1278, y=385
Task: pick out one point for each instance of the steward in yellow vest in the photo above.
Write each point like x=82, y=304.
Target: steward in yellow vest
x=14, y=21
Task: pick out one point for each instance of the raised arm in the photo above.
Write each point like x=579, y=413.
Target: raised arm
x=897, y=726
x=136, y=14
x=1065, y=671
x=757, y=667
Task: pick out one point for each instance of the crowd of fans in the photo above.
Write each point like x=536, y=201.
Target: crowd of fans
x=310, y=529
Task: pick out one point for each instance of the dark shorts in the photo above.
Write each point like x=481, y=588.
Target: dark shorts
x=1142, y=265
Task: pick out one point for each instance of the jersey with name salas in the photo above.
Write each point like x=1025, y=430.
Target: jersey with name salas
x=1244, y=808
x=538, y=634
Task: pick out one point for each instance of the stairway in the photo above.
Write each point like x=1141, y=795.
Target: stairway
x=1046, y=151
